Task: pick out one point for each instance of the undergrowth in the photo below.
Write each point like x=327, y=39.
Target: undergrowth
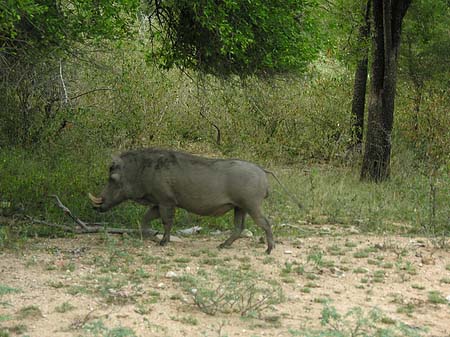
x=300, y=128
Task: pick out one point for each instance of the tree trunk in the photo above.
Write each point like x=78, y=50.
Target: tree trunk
x=359, y=89
x=387, y=19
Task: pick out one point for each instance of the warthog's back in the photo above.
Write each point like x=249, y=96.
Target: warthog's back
x=201, y=185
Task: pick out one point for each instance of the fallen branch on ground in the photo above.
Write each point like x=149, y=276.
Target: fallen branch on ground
x=83, y=227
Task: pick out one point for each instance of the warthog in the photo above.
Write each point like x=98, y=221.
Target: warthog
x=165, y=180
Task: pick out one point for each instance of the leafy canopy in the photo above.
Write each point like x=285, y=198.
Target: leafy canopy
x=233, y=37
x=37, y=25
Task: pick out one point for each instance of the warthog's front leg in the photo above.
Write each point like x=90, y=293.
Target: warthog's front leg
x=167, y=216
x=151, y=214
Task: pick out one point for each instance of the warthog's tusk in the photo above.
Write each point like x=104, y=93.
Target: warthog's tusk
x=97, y=201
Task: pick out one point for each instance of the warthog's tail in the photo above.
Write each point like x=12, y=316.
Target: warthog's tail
x=290, y=195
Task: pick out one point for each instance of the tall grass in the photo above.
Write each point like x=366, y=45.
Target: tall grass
x=300, y=128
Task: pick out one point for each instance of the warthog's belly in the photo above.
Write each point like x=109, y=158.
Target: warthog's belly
x=211, y=210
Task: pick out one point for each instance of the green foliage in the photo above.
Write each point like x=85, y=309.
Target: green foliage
x=426, y=42
x=239, y=37
x=97, y=328
x=4, y=289
x=47, y=147
x=31, y=311
x=435, y=297
x=240, y=291
x=64, y=307
x=36, y=25
x=355, y=322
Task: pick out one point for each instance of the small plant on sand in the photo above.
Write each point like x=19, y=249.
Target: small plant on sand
x=4, y=289
x=240, y=291
x=435, y=297
x=65, y=307
x=98, y=329
x=30, y=311
x=357, y=323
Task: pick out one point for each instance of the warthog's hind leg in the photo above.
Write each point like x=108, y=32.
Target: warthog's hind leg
x=262, y=222
x=239, y=219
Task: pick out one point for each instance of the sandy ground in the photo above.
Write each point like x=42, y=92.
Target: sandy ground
x=115, y=286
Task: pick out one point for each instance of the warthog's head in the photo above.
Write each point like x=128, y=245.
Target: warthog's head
x=115, y=191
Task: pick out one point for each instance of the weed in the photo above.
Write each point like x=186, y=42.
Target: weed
x=407, y=309
x=287, y=268
x=50, y=267
x=378, y=276
x=30, y=311
x=357, y=323
x=323, y=300
x=150, y=259
x=387, y=265
x=55, y=284
x=77, y=289
x=435, y=297
x=120, y=332
x=4, y=318
x=336, y=250
x=350, y=244
x=300, y=270
x=212, y=261
x=139, y=274
x=312, y=285
x=311, y=276
x=18, y=329
x=408, y=267
x=4, y=290
x=32, y=261
x=98, y=329
x=189, y=320
x=268, y=260
x=238, y=290
x=117, y=290
x=64, y=307
x=142, y=309
x=445, y=280
x=361, y=254
x=315, y=256
x=387, y=320
x=360, y=270
x=176, y=297
x=418, y=286
x=374, y=262
x=208, y=252
x=288, y=280
x=196, y=253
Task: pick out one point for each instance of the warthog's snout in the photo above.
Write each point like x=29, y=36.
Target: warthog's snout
x=96, y=202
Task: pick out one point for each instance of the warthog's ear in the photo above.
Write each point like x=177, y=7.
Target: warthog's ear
x=115, y=177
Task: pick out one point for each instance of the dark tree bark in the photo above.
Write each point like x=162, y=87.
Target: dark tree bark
x=359, y=88
x=387, y=20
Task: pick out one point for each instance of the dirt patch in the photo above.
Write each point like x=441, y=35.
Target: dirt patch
x=100, y=285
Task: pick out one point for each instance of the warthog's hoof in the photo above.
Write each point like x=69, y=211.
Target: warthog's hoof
x=163, y=242
x=223, y=245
